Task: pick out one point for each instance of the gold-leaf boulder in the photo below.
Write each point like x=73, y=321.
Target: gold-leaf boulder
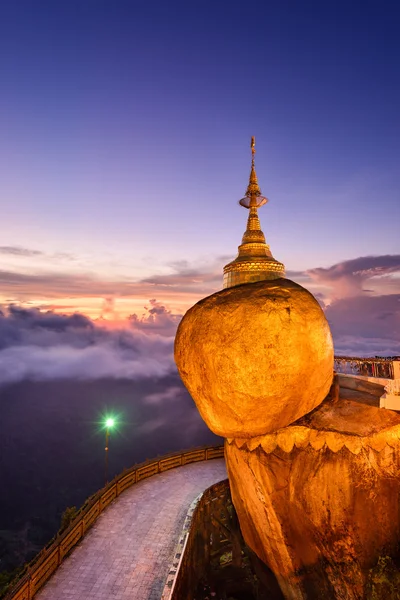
x=255, y=357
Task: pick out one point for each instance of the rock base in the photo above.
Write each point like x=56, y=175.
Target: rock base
x=318, y=501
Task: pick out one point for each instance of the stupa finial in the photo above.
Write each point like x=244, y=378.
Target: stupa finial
x=253, y=195
x=254, y=261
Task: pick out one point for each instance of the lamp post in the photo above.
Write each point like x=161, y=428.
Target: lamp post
x=109, y=424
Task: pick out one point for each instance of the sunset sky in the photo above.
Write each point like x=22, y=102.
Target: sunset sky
x=124, y=148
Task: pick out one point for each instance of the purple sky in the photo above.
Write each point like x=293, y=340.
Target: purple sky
x=125, y=130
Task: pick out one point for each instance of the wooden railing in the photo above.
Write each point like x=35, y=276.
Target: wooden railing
x=40, y=569
x=385, y=368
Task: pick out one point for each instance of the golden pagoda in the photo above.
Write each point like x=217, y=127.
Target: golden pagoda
x=254, y=261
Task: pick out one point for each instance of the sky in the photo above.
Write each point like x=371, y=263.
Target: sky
x=125, y=146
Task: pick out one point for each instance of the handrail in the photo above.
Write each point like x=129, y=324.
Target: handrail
x=376, y=359
x=43, y=565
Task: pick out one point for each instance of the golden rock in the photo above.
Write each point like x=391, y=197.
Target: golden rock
x=255, y=357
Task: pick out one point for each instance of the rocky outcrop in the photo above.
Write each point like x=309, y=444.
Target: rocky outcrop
x=318, y=501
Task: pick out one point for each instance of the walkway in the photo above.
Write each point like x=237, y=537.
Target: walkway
x=370, y=394
x=128, y=551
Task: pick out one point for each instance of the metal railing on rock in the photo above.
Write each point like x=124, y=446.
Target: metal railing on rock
x=384, y=368
x=40, y=569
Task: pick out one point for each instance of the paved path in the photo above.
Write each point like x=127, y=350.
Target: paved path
x=128, y=551
x=372, y=398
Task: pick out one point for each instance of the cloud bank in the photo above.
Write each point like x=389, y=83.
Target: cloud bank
x=347, y=279
x=44, y=345
x=159, y=319
x=363, y=304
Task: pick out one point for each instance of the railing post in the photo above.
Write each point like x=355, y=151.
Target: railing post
x=30, y=587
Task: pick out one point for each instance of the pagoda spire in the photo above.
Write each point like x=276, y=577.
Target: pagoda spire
x=254, y=261
x=253, y=189
x=252, y=200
